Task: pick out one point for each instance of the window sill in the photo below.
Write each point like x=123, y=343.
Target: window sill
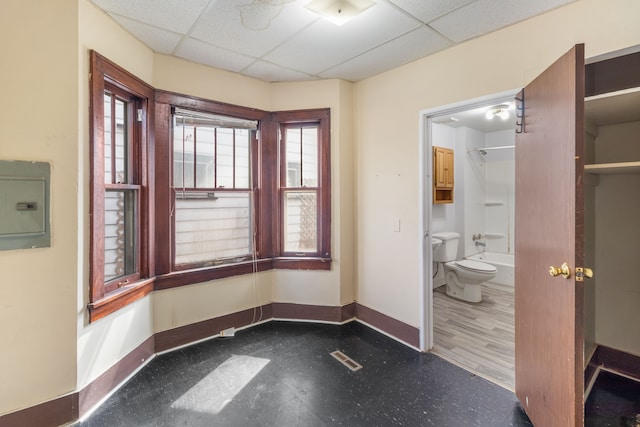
x=197, y=275
x=119, y=298
x=302, y=263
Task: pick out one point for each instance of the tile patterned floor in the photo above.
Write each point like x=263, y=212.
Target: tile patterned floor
x=282, y=374
x=478, y=336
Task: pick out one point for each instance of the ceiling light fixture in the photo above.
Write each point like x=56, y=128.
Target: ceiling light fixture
x=339, y=11
x=501, y=111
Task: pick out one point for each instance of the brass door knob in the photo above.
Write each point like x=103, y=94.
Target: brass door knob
x=563, y=270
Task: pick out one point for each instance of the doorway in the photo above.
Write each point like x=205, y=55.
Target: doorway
x=482, y=150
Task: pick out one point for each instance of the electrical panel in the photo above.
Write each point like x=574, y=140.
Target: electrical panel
x=24, y=205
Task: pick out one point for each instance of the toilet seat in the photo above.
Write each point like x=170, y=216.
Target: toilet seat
x=475, y=266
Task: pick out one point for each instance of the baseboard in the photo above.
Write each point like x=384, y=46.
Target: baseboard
x=617, y=361
x=199, y=331
x=97, y=389
x=70, y=408
x=396, y=329
x=56, y=412
x=317, y=313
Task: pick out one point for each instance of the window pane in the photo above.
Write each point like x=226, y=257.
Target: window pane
x=119, y=234
x=183, y=156
x=293, y=157
x=224, y=158
x=242, y=158
x=107, y=138
x=115, y=154
x=302, y=157
x=209, y=229
x=310, y=157
x=300, y=221
x=121, y=141
x=205, y=171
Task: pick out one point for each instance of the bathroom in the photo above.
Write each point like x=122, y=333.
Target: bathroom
x=482, y=213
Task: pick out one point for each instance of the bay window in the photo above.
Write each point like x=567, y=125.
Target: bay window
x=187, y=190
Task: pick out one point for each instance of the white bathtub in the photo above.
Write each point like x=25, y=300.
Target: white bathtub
x=503, y=262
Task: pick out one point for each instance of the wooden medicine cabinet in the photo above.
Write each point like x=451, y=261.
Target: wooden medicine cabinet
x=442, y=175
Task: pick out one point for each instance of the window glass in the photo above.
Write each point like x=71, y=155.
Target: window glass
x=115, y=139
x=212, y=229
x=108, y=142
x=119, y=234
x=121, y=142
x=300, y=221
x=224, y=158
x=205, y=157
x=302, y=156
x=242, y=158
x=212, y=222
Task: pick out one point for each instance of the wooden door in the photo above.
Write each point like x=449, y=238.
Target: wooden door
x=448, y=168
x=549, y=231
x=439, y=162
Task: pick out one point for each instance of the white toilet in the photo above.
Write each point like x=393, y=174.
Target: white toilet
x=463, y=278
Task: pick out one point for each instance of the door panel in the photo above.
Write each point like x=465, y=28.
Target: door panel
x=549, y=231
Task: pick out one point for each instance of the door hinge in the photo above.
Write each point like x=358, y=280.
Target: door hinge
x=140, y=114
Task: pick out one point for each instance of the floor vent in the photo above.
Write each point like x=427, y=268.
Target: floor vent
x=346, y=360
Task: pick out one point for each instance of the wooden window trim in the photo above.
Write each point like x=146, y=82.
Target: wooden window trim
x=156, y=269
x=170, y=275
x=103, y=298
x=320, y=260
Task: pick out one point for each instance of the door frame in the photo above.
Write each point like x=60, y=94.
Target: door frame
x=425, y=190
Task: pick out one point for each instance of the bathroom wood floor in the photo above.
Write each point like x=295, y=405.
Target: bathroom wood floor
x=478, y=337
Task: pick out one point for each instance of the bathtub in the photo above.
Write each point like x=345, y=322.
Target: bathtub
x=503, y=262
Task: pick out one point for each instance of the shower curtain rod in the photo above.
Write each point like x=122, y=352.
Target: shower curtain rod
x=491, y=148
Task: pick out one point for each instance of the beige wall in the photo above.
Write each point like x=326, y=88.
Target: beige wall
x=38, y=118
x=387, y=127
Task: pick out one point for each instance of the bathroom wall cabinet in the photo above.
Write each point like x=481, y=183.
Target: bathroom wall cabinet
x=442, y=175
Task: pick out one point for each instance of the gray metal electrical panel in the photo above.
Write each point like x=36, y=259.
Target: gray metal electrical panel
x=24, y=205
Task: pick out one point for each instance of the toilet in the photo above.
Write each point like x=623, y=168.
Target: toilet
x=463, y=278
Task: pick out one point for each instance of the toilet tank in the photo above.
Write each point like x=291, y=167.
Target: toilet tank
x=448, y=250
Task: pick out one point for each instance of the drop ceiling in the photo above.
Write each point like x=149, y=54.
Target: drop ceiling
x=281, y=40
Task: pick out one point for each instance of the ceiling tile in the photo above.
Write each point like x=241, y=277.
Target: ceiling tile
x=407, y=48
x=272, y=73
x=427, y=11
x=323, y=44
x=202, y=53
x=161, y=41
x=252, y=27
x=280, y=40
x=485, y=16
x=174, y=15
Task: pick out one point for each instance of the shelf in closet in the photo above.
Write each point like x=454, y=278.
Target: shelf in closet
x=613, y=168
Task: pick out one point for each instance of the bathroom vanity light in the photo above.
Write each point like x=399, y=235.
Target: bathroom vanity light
x=339, y=11
x=501, y=111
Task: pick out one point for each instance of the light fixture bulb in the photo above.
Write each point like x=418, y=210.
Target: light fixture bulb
x=501, y=111
x=339, y=11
